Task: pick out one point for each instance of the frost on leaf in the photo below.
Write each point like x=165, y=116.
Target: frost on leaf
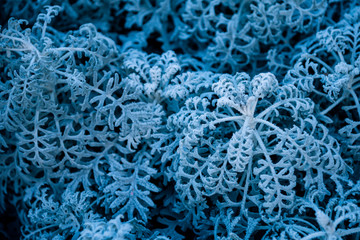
x=129, y=190
x=240, y=149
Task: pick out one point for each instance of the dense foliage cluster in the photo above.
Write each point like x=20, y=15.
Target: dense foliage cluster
x=193, y=119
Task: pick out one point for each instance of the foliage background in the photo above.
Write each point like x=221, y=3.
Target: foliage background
x=195, y=119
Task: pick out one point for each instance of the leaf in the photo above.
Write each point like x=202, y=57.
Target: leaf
x=129, y=191
x=240, y=149
x=277, y=181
